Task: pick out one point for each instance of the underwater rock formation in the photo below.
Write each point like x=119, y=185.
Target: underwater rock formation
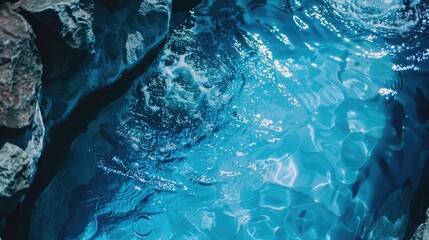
x=18, y=165
x=21, y=125
x=70, y=19
x=20, y=70
x=88, y=48
x=123, y=37
x=83, y=46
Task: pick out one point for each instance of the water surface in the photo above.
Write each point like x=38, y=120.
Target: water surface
x=258, y=120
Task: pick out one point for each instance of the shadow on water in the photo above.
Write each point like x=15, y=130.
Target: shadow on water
x=63, y=135
x=400, y=162
x=397, y=125
x=18, y=222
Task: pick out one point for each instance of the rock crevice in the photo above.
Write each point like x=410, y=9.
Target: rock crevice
x=21, y=124
x=86, y=48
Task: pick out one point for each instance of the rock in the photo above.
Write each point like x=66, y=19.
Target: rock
x=106, y=37
x=21, y=126
x=123, y=36
x=146, y=26
x=18, y=166
x=20, y=70
x=70, y=19
x=423, y=230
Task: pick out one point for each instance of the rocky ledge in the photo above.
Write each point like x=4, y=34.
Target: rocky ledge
x=86, y=49
x=86, y=45
x=21, y=125
x=82, y=46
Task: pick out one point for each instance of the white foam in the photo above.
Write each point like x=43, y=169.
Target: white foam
x=389, y=17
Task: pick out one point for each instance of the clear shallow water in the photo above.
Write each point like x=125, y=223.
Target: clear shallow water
x=258, y=120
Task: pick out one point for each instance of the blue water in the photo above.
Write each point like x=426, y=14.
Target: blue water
x=258, y=120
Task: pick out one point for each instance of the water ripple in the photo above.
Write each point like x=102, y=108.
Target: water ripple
x=258, y=120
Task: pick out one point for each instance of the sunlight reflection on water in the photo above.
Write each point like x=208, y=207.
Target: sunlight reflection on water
x=256, y=121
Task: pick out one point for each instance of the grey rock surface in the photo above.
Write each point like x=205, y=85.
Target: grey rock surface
x=18, y=166
x=89, y=44
x=20, y=70
x=114, y=37
x=70, y=19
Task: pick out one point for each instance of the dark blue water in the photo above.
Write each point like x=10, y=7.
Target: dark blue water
x=258, y=120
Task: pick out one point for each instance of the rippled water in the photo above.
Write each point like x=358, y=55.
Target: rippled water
x=258, y=120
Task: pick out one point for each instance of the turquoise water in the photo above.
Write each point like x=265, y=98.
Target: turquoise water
x=258, y=120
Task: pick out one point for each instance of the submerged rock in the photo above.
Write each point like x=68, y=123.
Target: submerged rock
x=123, y=37
x=83, y=45
x=18, y=166
x=21, y=125
x=20, y=70
x=70, y=19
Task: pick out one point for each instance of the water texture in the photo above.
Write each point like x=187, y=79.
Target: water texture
x=258, y=120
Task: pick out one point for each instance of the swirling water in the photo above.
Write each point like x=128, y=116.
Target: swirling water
x=258, y=120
